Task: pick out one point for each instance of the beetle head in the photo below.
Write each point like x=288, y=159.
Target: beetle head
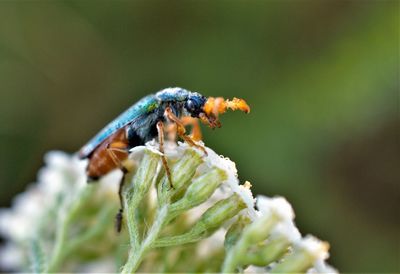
x=209, y=109
x=194, y=104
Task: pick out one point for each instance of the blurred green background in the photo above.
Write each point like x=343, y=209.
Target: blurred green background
x=322, y=78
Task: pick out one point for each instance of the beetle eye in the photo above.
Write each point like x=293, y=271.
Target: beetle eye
x=190, y=105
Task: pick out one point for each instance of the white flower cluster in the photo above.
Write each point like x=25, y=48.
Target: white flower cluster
x=62, y=175
x=316, y=249
x=231, y=185
x=62, y=182
x=277, y=206
x=36, y=211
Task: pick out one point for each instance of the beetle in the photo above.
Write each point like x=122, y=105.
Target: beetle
x=144, y=121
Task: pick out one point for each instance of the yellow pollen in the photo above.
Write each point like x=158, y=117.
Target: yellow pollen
x=247, y=185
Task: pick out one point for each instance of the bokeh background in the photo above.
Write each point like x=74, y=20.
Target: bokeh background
x=322, y=78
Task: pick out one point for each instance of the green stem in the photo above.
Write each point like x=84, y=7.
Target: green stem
x=59, y=246
x=130, y=205
x=138, y=187
x=136, y=256
x=38, y=262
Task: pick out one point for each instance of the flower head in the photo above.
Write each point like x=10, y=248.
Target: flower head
x=70, y=222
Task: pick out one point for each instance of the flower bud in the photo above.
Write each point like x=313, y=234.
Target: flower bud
x=260, y=229
x=146, y=173
x=281, y=237
x=183, y=170
x=220, y=212
x=203, y=187
x=200, y=190
x=272, y=211
x=234, y=232
x=307, y=251
x=268, y=253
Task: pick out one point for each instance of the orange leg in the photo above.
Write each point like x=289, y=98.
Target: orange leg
x=117, y=147
x=160, y=130
x=196, y=130
x=181, y=129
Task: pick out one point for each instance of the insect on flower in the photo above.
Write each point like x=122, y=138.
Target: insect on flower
x=146, y=120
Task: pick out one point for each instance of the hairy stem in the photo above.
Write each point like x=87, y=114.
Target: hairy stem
x=137, y=256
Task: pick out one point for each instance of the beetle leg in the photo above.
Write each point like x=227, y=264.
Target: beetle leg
x=111, y=149
x=181, y=130
x=119, y=217
x=171, y=129
x=196, y=130
x=160, y=130
x=117, y=147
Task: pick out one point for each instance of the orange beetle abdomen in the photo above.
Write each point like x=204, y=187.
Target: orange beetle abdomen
x=108, y=156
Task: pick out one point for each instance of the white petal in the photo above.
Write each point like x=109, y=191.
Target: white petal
x=314, y=246
x=11, y=257
x=277, y=205
x=255, y=269
x=288, y=230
